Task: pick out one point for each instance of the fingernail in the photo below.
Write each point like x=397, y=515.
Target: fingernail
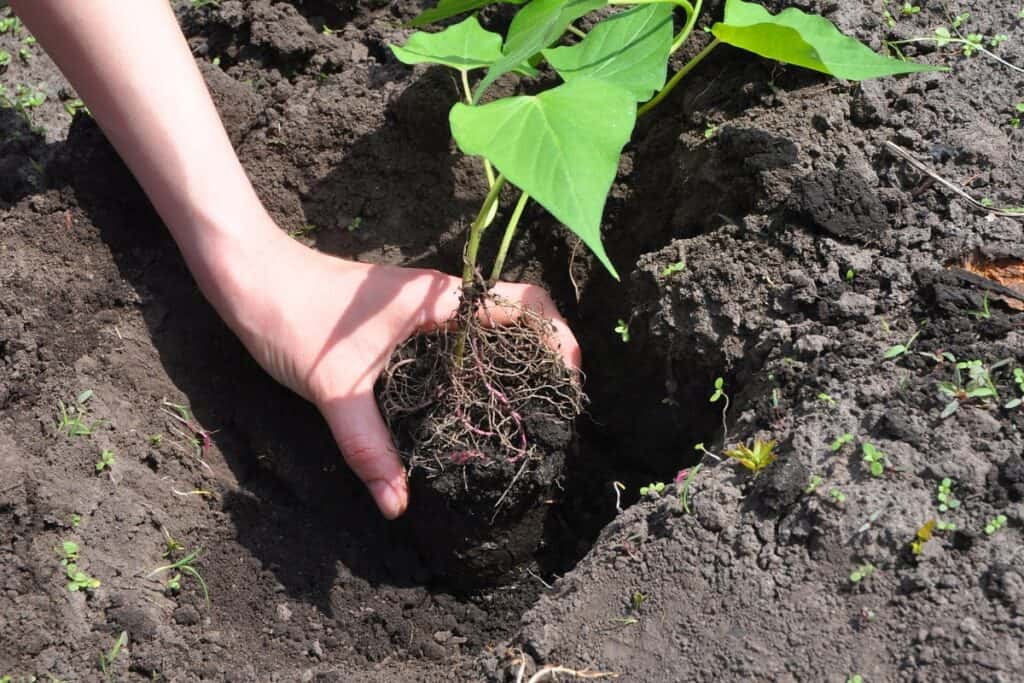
x=391, y=504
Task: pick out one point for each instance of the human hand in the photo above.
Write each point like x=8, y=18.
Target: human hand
x=326, y=327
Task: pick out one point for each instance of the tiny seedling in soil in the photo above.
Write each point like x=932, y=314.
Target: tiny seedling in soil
x=898, y=350
x=107, y=659
x=79, y=580
x=978, y=384
x=850, y=274
x=995, y=524
x=874, y=458
x=71, y=418
x=862, y=572
x=683, y=481
x=1018, y=113
x=1018, y=379
x=813, y=484
x=754, y=459
x=673, y=268
x=75, y=520
x=841, y=441
x=855, y=678
x=68, y=552
x=827, y=399
x=622, y=329
x=923, y=535
x=837, y=496
x=184, y=565
x=106, y=460
x=947, y=501
x=74, y=106
x=5, y=58
x=984, y=313
x=653, y=490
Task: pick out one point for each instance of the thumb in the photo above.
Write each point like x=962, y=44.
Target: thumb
x=365, y=443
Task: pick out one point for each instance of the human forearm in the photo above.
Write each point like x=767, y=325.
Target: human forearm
x=131, y=65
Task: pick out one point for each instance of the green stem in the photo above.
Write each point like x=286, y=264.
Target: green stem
x=692, y=13
x=576, y=32
x=678, y=76
x=506, y=240
x=467, y=92
x=476, y=230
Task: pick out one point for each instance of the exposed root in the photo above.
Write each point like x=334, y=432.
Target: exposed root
x=554, y=673
x=479, y=411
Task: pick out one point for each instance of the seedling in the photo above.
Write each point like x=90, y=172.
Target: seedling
x=995, y=524
x=969, y=43
x=11, y=24
x=947, y=501
x=197, y=437
x=978, y=384
x=909, y=9
x=71, y=418
x=841, y=441
x=984, y=313
x=75, y=520
x=897, y=350
x=155, y=440
x=106, y=460
x=171, y=546
x=354, y=224
x=622, y=329
x=5, y=58
x=850, y=274
x=1018, y=379
x=813, y=484
x=67, y=552
x=185, y=565
x=855, y=678
x=924, y=534
x=673, y=268
x=653, y=490
x=618, y=487
x=79, y=580
x=837, y=496
x=754, y=459
x=561, y=146
x=74, y=106
x=827, y=399
x=683, y=481
x=107, y=659
x=305, y=231
x=1018, y=113
x=874, y=458
x=637, y=600
x=862, y=572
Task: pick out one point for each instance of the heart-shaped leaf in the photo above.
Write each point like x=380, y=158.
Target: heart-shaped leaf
x=534, y=28
x=464, y=46
x=805, y=40
x=449, y=8
x=629, y=49
x=561, y=147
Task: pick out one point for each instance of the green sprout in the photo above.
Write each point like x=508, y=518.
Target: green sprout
x=76, y=519
x=71, y=418
x=5, y=58
x=74, y=106
x=977, y=385
x=1017, y=115
x=653, y=490
x=106, y=460
x=841, y=441
x=754, y=459
x=67, y=552
x=947, y=501
x=622, y=329
x=683, y=481
x=185, y=565
x=850, y=274
x=862, y=572
x=673, y=268
x=984, y=313
x=827, y=399
x=874, y=458
x=909, y=9
x=995, y=524
x=813, y=484
x=837, y=496
x=107, y=659
x=1018, y=379
x=897, y=350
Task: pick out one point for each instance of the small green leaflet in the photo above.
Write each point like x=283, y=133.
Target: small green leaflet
x=805, y=40
x=534, y=28
x=561, y=147
x=464, y=46
x=449, y=8
x=629, y=49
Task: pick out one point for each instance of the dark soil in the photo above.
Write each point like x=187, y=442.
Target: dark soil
x=809, y=250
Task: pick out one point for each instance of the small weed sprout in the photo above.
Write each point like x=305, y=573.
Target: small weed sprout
x=977, y=385
x=79, y=580
x=184, y=565
x=622, y=329
x=897, y=350
x=106, y=460
x=947, y=501
x=923, y=535
x=837, y=496
x=813, y=484
x=862, y=572
x=995, y=524
x=683, y=481
x=653, y=490
x=874, y=458
x=75, y=520
x=841, y=441
x=827, y=399
x=673, y=268
x=71, y=418
x=1018, y=379
x=909, y=9
x=719, y=395
x=1018, y=113
x=107, y=658
x=5, y=58
x=67, y=552
x=754, y=459
x=984, y=313
x=618, y=487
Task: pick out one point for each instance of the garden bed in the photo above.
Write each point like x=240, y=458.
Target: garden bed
x=766, y=234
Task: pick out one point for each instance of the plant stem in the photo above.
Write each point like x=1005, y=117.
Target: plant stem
x=576, y=32
x=678, y=76
x=467, y=92
x=692, y=12
x=506, y=240
x=476, y=230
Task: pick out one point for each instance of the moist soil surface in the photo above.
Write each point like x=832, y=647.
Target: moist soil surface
x=767, y=235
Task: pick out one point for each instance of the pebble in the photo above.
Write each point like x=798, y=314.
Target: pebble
x=283, y=612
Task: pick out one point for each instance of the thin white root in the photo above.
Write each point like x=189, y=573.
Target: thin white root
x=551, y=673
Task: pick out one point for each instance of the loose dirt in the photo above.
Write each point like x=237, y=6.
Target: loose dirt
x=769, y=238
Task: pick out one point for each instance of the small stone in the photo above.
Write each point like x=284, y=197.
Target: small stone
x=317, y=650
x=283, y=612
x=442, y=637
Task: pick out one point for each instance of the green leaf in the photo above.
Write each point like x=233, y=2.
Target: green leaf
x=561, y=147
x=449, y=8
x=534, y=28
x=805, y=40
x=629, y=49
x=895, y=351
x=464, y=46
